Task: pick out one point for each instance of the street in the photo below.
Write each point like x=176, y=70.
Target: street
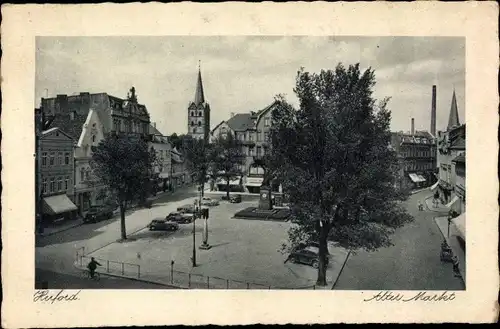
x=411, y=264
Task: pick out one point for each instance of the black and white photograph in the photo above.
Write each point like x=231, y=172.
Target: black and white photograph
x=250, y=163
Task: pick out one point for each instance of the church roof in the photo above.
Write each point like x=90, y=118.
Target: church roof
x=199, y=96
x=453, y=120
x=458, y=143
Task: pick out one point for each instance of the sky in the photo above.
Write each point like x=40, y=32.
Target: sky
x=243, y=74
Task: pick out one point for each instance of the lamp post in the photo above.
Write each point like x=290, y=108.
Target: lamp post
x=193, y=258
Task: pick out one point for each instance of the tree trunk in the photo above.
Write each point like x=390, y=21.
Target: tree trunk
x=123, y=208
x=227, y=187
x=323, y=249
x=202, y=189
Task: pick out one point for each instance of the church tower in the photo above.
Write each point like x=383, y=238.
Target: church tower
x=453, y=120
x=199, y=113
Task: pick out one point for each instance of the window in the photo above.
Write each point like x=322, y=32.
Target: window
x=192, y=114
x=266, y=122
x=93, y=138
x=258, y=136
x=192, y=123
x=199, y=114
x=194, y=130
x=52, y=185
x=59, y=158
x=44, y=159
x=259, y=150
x=250, y=136
x=266, y=136
x=44, y=185
x=82, y=174
x=52, y=156
x=251, y=151
x=87, y=174
x=66, y=183
x=59, y=184
x=199, y=123
x=66, y=158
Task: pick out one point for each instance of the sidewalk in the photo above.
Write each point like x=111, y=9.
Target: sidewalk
x=442, y=223
x=440, y=207
x=47, y=231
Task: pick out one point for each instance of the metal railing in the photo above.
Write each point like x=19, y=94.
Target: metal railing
x=113, y=267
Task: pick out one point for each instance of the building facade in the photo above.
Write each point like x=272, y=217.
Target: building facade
x=162, y=169
x=199, y=113
x=56, y=172
x=180, y=175
x=417, y=156
x=117, y=115
x=252, y=130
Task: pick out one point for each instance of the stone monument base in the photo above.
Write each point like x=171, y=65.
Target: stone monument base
x=205, y=247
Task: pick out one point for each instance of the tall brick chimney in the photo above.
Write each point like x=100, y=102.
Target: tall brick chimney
x=433, y=111
x=412, y=126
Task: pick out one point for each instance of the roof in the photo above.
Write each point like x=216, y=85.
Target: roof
x=199, y=96
x=460, y=158
x=73, y=128
x=154, y=131
x=241, y=122
x=453, y=120
x=458, y=143
x=51, y=130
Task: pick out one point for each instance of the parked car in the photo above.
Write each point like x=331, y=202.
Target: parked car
x=235, y=198
x=163, y=225
x=98, y=213
x=181, y=218
x=206, y=201
x=186, y=209
x=308, y=255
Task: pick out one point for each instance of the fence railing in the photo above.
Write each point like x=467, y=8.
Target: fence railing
x=174, y=277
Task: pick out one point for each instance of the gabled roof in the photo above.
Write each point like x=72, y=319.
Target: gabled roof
x=458, y=143
x=154, y=131
x=54, y=129
x=73, y=128
x=241, y=122
x=215, y=128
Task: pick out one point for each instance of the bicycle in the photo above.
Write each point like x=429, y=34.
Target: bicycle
x=86, y=275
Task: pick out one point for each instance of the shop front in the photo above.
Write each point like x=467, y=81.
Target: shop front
x=57, y=209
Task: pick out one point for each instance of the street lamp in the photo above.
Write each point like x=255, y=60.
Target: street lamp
x=193, y=258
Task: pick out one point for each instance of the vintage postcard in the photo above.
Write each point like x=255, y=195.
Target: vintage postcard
x=249, y=163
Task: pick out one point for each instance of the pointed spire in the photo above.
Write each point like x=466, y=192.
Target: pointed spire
x=453, y=120
x=199, y=97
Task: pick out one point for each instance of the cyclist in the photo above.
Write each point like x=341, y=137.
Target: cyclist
x=92, y=266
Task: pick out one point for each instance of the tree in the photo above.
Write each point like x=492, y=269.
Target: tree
x=333, y=158
x=197, y=153
x=124, y=163
x=227, y=157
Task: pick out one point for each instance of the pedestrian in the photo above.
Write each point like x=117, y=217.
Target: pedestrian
x=420, y=206
x=456, y=270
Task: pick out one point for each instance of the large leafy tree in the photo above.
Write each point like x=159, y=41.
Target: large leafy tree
x=333, y=157
x=124, y=163
x=226, y=158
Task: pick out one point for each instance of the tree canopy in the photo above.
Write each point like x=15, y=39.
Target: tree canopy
x=124, y=163
x=333, y=158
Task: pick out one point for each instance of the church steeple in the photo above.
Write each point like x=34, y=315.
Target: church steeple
x=199, y=97
x=453, y=120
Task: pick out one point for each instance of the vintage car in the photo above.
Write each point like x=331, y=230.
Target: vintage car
x=181, y=218
x=186, y=209
x=98, y=213
x=163, y=225
x=235, y=198
x=206, y=201
x=308, y=255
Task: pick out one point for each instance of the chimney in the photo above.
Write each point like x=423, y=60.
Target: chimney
x=433, y=111
x=412, y=126
x=232, y=114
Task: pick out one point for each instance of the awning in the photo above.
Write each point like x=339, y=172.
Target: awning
x=254, y=181
x=433, y=187
x=231, y=182
x=460, y=225
x=416, y=178
x=57, y=204
x=422, y=178
x=452, y=202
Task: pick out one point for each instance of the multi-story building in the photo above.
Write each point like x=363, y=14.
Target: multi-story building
x=179, y=171
x=88, y=118
x=252, y=130
x=416, y=151
x=162, y=168
x=199, y=113
x=55, y=170
x=120, y=116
